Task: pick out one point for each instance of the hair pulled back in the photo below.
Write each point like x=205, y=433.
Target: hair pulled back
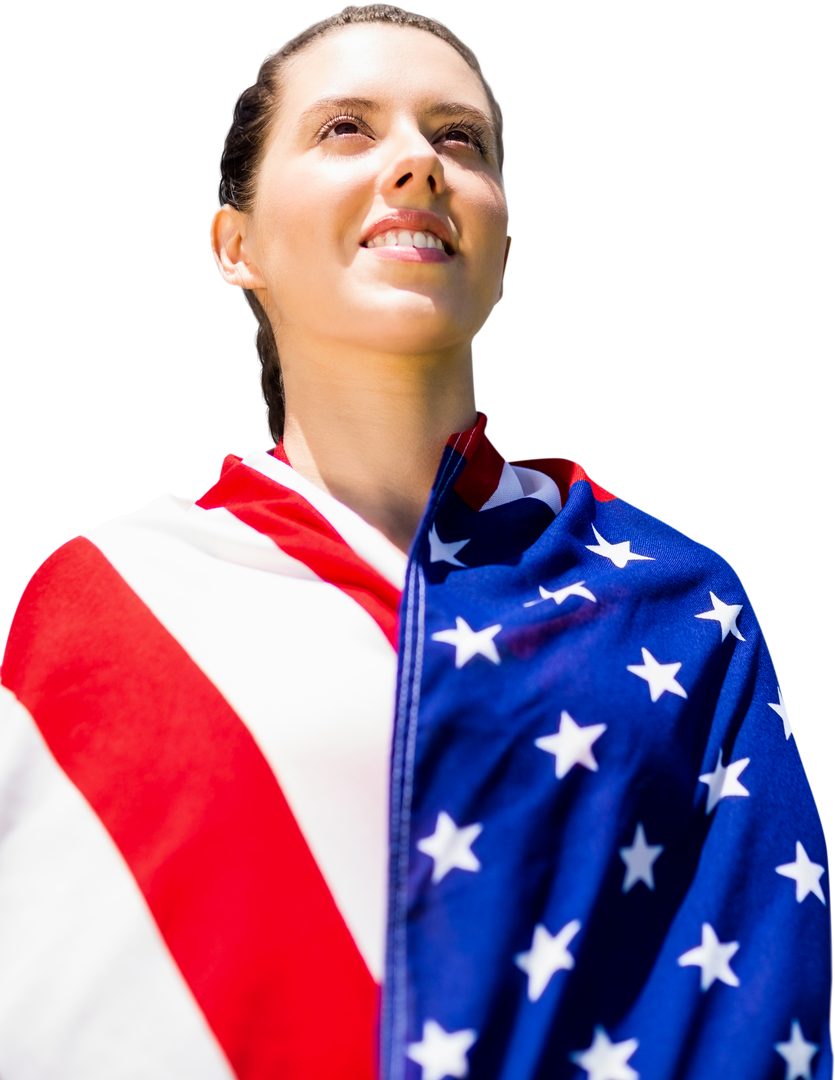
x=246, y=145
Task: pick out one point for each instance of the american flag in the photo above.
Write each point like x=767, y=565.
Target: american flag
x=277, y=802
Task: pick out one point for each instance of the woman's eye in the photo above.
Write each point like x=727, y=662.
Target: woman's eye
x=345, y=127
x=464, y=139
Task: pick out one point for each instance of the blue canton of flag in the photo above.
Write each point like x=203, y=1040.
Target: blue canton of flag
x=606, y=860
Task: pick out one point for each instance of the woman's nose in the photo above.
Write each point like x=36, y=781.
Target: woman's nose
x=414, y=166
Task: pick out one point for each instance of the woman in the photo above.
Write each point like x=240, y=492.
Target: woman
x=583, y=845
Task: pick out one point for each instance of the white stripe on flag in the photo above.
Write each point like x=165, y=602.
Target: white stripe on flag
x=517, y=482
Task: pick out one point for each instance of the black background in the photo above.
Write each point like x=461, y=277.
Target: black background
x=662, y=321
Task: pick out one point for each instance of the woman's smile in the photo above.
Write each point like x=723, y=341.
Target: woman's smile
x=409, y=228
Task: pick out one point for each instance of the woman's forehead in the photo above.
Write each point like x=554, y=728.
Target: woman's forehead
x=386, y=66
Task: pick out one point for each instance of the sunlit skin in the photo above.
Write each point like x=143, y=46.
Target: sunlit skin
x=379, y=129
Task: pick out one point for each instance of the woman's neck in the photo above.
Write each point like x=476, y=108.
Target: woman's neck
x=370, y=429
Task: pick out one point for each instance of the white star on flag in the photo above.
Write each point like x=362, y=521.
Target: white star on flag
x=450, y=847
x=797, y=1054
x=469, y=643
x=806, y=874
x=639, y=859
x=605, y=1060
x=618, y=553
x=441, y=552
x=726, y=615
x=780, y=709
x=560, y=595
x=442, y=1053
x=572, y=745
x=713, y=957
x=661, y=677
x=546, y=956
x=724, y=781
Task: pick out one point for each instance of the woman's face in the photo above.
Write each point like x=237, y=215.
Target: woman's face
x=380, y=218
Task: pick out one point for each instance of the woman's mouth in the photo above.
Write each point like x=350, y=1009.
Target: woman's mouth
x=408, y=246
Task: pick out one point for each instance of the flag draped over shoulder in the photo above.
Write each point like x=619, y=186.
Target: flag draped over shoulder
x=538, y=783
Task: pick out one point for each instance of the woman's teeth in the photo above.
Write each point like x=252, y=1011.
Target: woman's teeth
x=406, y=239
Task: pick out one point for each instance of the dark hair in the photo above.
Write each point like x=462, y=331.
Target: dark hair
x=246, y=144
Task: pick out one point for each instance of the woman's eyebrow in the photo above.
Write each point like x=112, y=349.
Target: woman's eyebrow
x=433, y=111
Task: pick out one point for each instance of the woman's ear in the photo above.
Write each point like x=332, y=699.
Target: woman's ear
x=504, y=267
x=232, y=249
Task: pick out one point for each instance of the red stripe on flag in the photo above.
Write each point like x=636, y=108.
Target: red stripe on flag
x=280, y=454
x=465, y=442
x=193, y=806
x=484, y=467
x=302, y=532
